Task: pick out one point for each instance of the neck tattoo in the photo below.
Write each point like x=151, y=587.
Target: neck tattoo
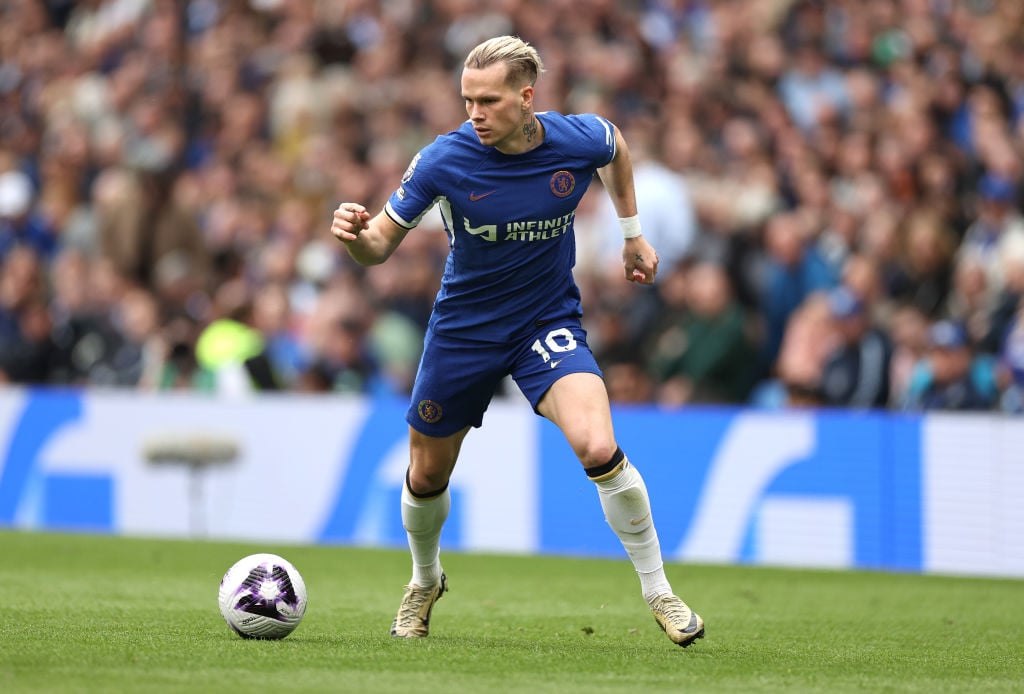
x=530, y=128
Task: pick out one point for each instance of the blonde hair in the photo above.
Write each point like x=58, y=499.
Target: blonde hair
x=523, y=61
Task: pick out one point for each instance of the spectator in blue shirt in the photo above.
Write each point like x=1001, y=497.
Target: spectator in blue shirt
x=20, y=223
x=951, y=376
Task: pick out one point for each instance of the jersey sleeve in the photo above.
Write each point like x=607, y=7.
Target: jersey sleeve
x=418, y=190
x=600, y=133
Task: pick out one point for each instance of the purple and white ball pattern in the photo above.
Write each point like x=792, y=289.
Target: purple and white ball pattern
x=262, y=596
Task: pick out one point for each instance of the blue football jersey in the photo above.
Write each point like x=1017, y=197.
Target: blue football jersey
x=509, y=220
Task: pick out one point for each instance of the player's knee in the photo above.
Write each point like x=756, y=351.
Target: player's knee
x=597, y=453
x=426, y=483
x=606, y=465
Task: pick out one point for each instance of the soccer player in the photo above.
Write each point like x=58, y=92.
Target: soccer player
x=508, y=182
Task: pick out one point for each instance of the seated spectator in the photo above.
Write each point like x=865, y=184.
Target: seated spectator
x=951, y=376
x=628, y=382
x=231, y=349
x=20, y=223
x=272, y=316
x=139, y=358
x=970, y=302
x=998, y=229
x=810, y=337
x=342, y=359
x=1006, y=309
x=856, y=373
x=26, y=349
x=706, y=356
x=27, y=358
x=923, y=275
x=908, y=328
x=793, y=270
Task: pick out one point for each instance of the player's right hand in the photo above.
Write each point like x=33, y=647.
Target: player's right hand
x=350, y=219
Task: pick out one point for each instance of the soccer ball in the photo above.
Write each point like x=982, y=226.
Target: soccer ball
x=262, y=597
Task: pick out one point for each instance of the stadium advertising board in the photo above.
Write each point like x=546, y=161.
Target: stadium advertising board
x=940, y=493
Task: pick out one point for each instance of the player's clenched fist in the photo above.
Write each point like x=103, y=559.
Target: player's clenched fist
x=349, y=220
x=640, y=260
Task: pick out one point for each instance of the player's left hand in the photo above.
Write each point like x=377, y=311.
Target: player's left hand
x=640, y=260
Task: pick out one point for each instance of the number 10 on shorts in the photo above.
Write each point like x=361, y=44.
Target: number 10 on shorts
x=559, y=341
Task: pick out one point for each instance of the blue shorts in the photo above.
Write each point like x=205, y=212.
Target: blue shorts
x=457, y=378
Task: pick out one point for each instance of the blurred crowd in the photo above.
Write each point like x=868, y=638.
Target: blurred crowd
x=834, y=188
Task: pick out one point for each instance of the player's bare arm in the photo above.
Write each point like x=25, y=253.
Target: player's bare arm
x=617, y=177
x=370, y=241
x=640, y=261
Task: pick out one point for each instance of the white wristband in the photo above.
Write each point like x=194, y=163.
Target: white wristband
x=630, y=226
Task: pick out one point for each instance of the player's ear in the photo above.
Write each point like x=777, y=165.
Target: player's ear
x=526, y=94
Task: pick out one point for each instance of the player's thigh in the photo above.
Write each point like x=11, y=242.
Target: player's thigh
x=558, y=374
x=578, y=404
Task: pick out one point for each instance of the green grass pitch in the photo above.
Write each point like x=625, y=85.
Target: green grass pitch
x=103, y=614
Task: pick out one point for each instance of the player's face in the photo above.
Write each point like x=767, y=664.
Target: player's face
x=496, y=108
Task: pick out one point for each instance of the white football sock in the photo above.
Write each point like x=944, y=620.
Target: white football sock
x=627, y=509
x=423, y=520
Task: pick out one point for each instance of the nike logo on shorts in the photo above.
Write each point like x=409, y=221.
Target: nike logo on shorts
x=555, y=362
x=473, y=197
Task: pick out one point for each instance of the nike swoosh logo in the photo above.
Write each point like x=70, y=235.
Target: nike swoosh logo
x=556, y=362
x=473, y=197
x=638, y=521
